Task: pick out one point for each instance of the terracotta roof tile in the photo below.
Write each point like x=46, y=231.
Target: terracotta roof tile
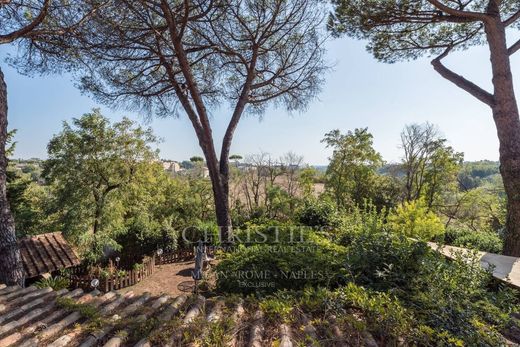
x=46, y=253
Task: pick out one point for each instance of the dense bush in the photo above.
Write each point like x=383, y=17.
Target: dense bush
x=450, y=300
x=318, y=213
x=409, y=292
x=384, y=260
x=268, y=267
x=414, y=219
x=143, y=237
x=486, y=241
x=361, y=220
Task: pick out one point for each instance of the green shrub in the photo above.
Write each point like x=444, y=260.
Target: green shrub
x=384, y=315
x=360, y=220
x=413, y=219
x=384, y=260
x=452, y=297
x=451, y=300
x=56, y=283
x=318, y=213
x=142, y=237
x=486, y=241
x=265, y=268
x=353, y=306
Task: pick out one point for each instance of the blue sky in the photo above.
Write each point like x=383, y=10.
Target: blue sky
x=359, y=92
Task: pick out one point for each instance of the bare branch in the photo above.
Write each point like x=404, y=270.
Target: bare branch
x=515, y=47
x=512, y=19
x=460, y=81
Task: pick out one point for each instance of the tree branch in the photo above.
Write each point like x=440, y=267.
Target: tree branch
x=459, y=13
x=460, y=81
x=515, y=47
x=8, y=38
x=512, y=19
x=237, y=113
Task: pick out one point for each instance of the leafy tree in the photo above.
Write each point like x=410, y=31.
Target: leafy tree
x=32, y=205
x=430, y=165
x=307, y=178
x=478, y=209
x=90, y=163
x=164, y=57
x=235, y=157
x=352, y=171
x=185, y=164
x=476, y=174
x=404, y=30
x=155, y=207
x=197, y=159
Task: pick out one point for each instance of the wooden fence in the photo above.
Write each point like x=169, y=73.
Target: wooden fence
x=116, y=279
x=175, y=257
x=80, y=277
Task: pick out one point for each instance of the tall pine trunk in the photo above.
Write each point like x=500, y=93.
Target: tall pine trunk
x=220, y=184
x=507, y=121
x=11, y=269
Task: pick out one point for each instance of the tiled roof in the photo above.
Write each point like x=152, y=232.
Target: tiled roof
x=46, y=253
x=32, y=317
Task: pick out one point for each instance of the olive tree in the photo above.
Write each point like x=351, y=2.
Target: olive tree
x=408, y=29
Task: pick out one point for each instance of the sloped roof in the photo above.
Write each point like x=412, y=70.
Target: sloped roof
x=46, y=253
x=32, y=317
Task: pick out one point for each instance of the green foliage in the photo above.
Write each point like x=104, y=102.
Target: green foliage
x=393, y=33
x=429, y=166
x=318, y=213
x=413, y=219
x=352, y=170
x=268, y=267
x=197, y=159
x=478, y=209
x=478, y=173
x=384, y=315
x=486, y=241
x=452, y=297
x=449, y=300
x=307, y=177
x=364, y=219
x=236, y=157
x=278, y=307
x=206, y=231
x=92, y=164
x=31, y=204
x=56, y=283
x=384, y=260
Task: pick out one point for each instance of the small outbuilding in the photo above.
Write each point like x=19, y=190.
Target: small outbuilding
x=46, y=253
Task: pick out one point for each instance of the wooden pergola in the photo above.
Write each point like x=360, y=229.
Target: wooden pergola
x=46, y=253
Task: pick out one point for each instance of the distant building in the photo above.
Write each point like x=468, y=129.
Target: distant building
x=172, y=166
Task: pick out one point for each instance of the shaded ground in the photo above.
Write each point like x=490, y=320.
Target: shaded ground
x=165, y=280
